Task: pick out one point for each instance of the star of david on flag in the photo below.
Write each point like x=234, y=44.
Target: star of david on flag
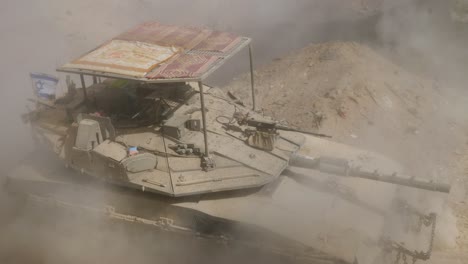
x=44, y=85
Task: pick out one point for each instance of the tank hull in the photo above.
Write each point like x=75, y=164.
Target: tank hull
x=316, y=218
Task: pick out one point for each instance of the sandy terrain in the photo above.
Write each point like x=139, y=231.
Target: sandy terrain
x=405, y=102
x=350, y=91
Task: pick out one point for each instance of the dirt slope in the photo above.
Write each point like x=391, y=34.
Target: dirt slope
x=338, y=80
x=349, y=91
x=358, y=96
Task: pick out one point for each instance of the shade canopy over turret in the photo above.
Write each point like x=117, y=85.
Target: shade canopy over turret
x=153, y=52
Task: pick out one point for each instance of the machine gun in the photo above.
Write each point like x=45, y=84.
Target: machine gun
x=270, y=126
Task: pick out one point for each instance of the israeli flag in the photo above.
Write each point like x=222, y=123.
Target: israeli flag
x=44, y=85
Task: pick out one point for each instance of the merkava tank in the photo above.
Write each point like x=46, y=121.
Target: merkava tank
x=148, y=142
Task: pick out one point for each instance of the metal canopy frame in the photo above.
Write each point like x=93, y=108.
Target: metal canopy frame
x=221, y=61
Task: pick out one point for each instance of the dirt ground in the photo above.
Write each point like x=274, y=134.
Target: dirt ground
x=343, y=86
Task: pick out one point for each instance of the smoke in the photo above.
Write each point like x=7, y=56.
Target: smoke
x=41, y=35
x=424, y=37
x=426, y=34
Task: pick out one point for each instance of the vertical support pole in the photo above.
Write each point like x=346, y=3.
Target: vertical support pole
x=83, y=85
x=252, y=76
x=203, y=111
x=95, y=80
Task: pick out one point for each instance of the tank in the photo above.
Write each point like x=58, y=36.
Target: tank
x=147, y=142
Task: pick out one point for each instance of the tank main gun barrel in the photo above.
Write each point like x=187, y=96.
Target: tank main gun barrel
x=341, y=167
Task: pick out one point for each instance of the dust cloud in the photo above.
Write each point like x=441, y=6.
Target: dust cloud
x=424, y=37
x=41, y=35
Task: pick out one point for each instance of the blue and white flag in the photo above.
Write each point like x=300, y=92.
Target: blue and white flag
x=44, y=85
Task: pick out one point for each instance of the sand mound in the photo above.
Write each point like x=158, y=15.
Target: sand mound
x=351, y=92
x=358, y=96
x=340, y=88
